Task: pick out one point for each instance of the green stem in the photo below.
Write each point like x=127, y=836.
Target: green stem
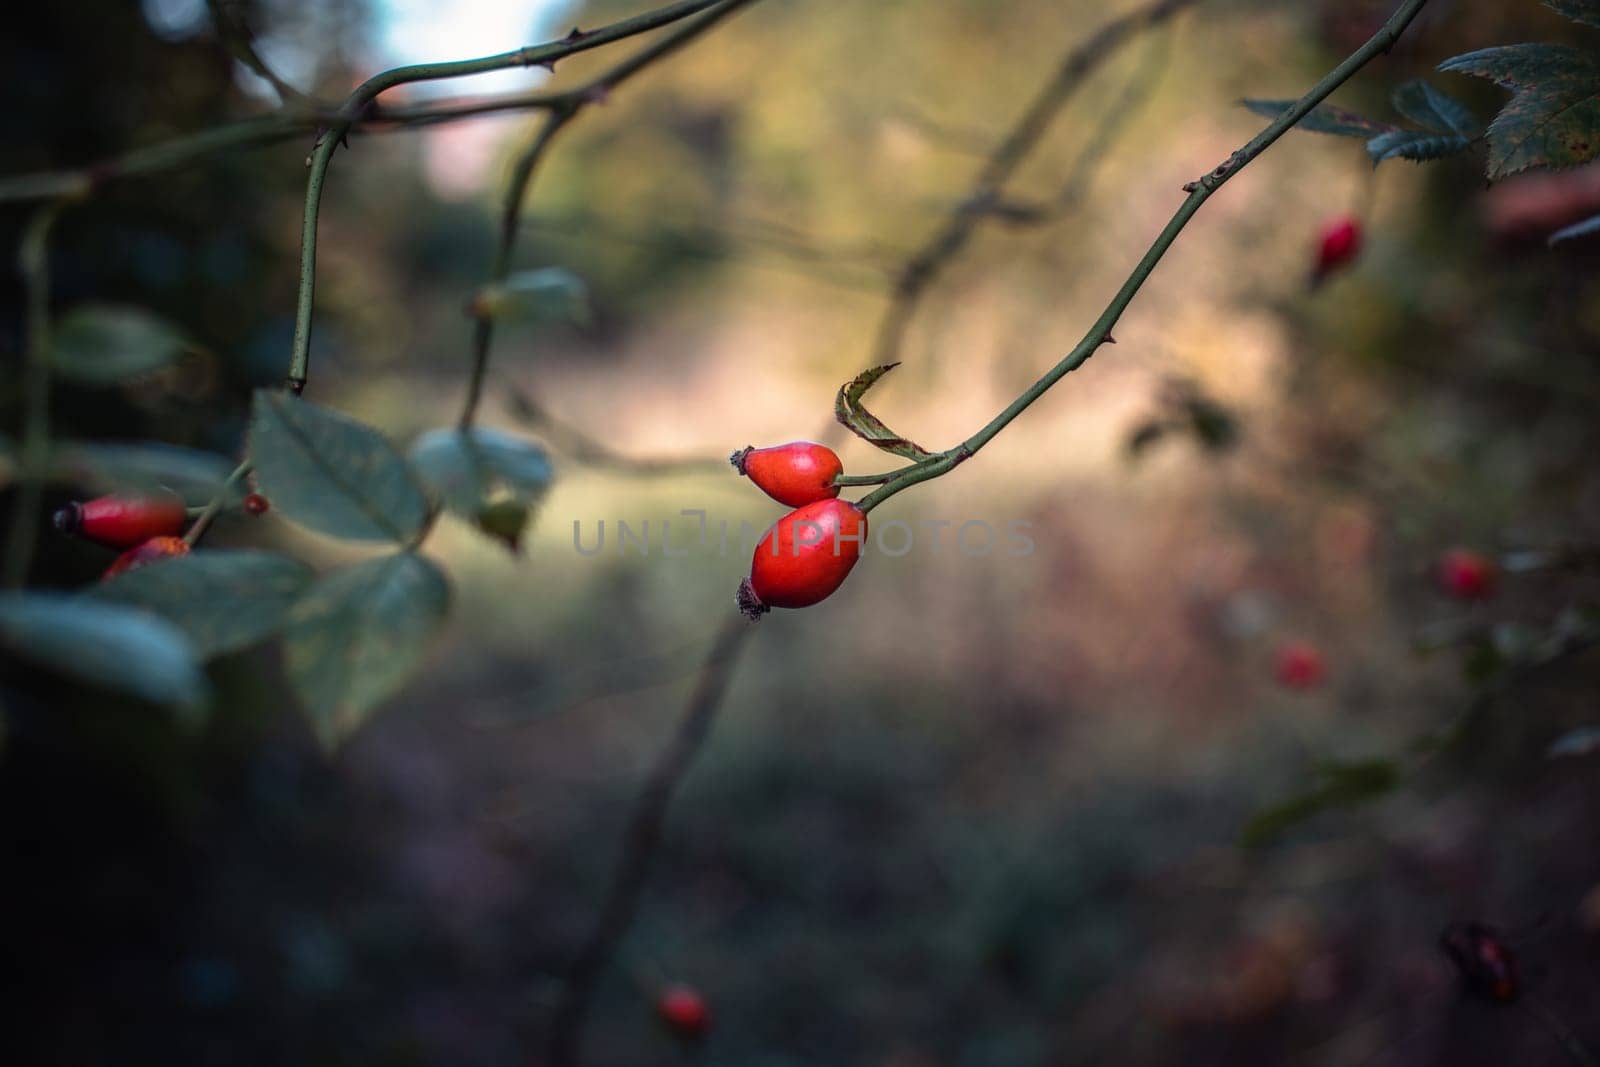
x=356, y=105
x=215, y=505
x=1199, y=192
x=33, y=262
x=563, y=108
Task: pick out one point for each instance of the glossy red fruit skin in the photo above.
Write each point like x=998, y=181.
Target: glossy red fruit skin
x=256, y=504
x=1337, y=246
x=684, y=1012
x=124, y=521
x=152, y=551
x=795, y=474
x=1466, y=575
x=804, y=557
x=1300, y=666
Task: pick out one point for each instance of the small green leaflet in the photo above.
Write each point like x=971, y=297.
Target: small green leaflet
x=223, y=601
x=108, y=645
x=549, y=293
x=1553, y=116
x=1448, y=126
x=357, y=635
x=864, y=424
x=1434, y=110
x=107, y=344
x=1338, y=785
x=331, y=473
x=486, y=476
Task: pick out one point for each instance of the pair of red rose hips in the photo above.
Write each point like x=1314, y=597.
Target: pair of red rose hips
x=807, y=554
x=147, y=527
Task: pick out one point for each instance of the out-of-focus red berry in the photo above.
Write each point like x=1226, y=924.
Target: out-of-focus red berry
x=1466, y=575
x=1300, y=665
x=1338, y=244
x=684, y=1012
x=124, y=521
x=256, y=504
x=152, y=551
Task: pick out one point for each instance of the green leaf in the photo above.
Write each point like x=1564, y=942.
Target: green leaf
x=108, y=645
x=1553, y=117
x=105, y=344
x=357, y=635
x=194, y=475
x=1584, y=741
x=486, y=476
x=864, y=424
x=463, y=469
x=1418, y=147
x=1324, y=118
x=1577, y=229
x=223, y=601
x=331, y=473
x=1584, y=11
x=1339, y=785
x=1435, y=110
x=550, y=293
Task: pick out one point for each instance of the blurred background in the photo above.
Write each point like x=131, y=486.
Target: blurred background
x=974, y=809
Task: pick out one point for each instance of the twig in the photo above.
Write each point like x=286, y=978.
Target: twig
x=215, y=505
x=237, y=36
x=33, y=263
x=585, y=449
x=928, y=262
x=639, y=849
x=562, y=110
x=358, y=101
x=1199, y=192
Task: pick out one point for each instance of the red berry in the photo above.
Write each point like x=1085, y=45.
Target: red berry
x=123, y=521
x=684, y=1012
x=1300, y=665
x=256, y=504
x=796, y=474
x=1488, y=967
x=1466, y=575
x=804, y=557
x=152, y=551
x=1338, y=244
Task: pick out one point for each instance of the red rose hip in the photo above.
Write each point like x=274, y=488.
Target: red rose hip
x=1466, y=575
x=684, y=1012
x=124, y=521
x=1337, y=247
x=804, y=557
x=152, y=551
x=1300, y=666
x=796, y=474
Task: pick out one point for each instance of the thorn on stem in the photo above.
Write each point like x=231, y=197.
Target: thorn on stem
x=575, y=35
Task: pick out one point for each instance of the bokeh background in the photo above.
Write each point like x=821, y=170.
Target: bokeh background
x=971, y=810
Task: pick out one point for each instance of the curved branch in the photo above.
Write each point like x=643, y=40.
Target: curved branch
x=1199, y=192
